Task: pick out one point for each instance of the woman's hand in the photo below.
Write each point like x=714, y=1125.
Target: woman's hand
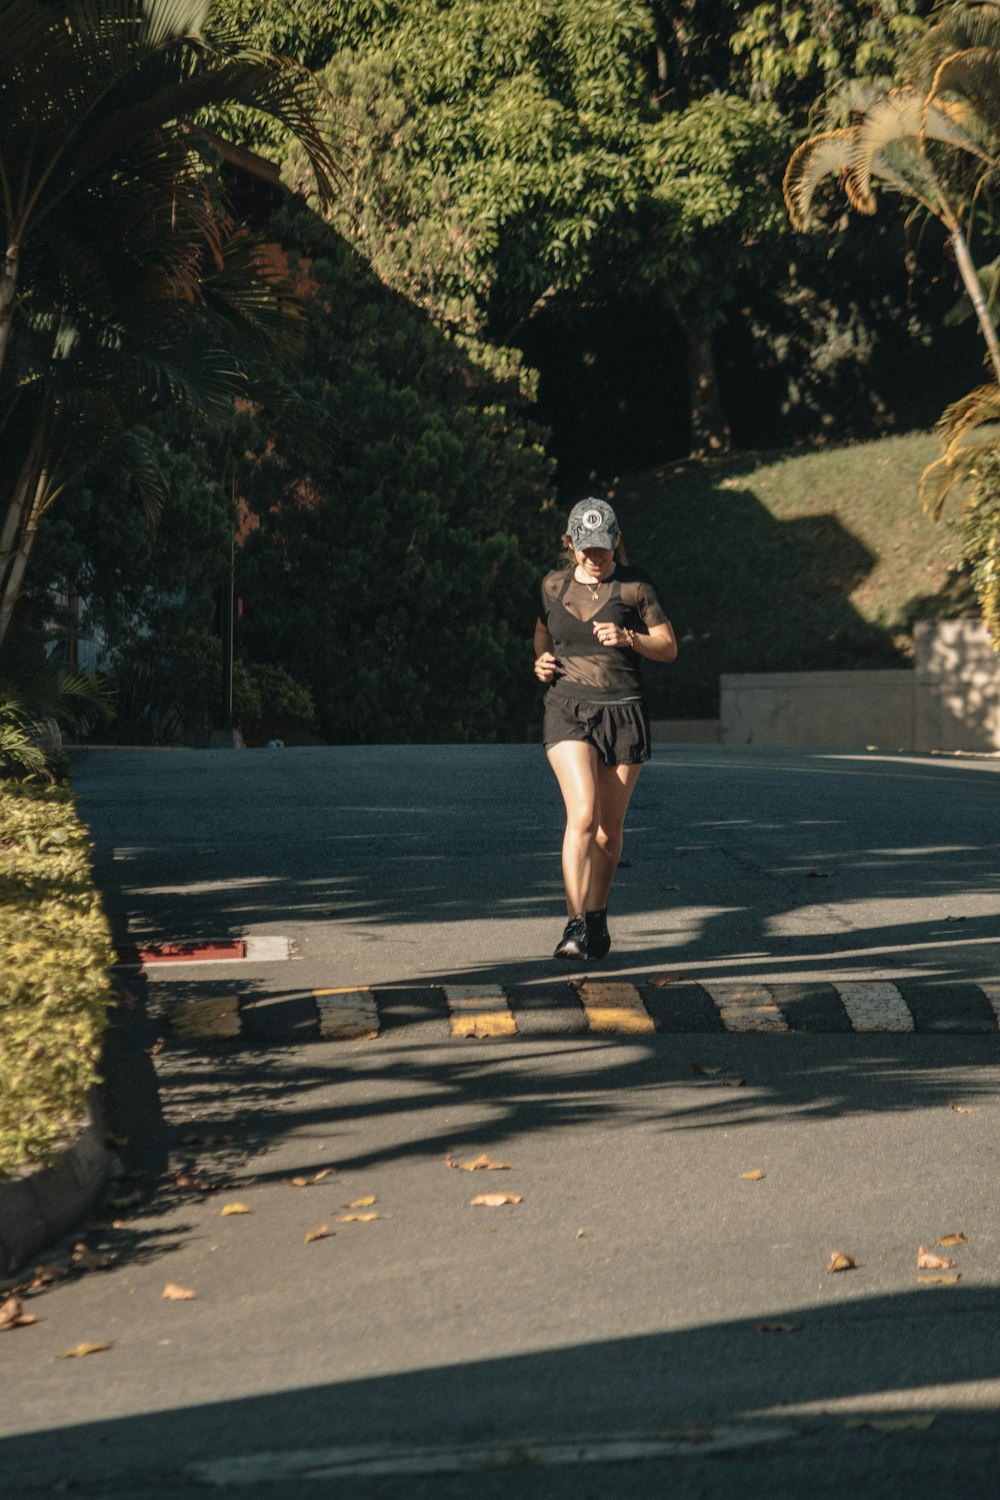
x=613, y=635
x=546, y=667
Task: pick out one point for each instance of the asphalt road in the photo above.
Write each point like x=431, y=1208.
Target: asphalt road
x=646, y=1320
x=392, y=865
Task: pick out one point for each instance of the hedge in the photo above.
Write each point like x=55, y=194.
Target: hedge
x=55, y=951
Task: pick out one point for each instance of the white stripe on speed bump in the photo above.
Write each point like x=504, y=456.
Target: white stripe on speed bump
x=992, y=993
x=746, y=1007
x=875, y=1005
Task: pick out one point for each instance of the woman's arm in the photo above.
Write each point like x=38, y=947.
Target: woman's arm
x=545, y=662
x=657, y=644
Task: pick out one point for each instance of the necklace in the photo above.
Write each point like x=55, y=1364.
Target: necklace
x=594, y=588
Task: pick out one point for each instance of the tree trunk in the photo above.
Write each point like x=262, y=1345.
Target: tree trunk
x=8, y=288
x=710, y=435
x=27, y=502
x=974, y=288
x=21, y=520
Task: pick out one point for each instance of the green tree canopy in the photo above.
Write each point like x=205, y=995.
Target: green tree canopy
x=125, y=281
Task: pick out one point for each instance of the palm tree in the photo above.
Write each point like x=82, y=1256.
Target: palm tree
x=125, y=281
x=935, y=140
x=919, y=144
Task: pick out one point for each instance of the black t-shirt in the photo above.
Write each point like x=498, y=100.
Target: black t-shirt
x=588, y=670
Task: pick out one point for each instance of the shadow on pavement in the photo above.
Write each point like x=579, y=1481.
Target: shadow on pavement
x=780, y=861
x=820, y=1386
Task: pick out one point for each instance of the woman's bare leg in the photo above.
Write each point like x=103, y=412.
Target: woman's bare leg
x=615, y=785
x=575, y=764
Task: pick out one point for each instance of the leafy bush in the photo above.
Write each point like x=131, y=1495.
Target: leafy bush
x=55, y=950
x=978, y=529
x=169, y=691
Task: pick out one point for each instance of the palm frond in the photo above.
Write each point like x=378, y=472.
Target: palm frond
x=971, y=414
x=821, y=156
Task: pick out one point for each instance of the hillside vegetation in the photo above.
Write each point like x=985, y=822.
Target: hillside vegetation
x=789, y=562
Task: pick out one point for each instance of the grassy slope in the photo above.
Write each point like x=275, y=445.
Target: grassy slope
x=784, y=562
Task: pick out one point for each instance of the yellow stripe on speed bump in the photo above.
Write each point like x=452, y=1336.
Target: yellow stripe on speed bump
x=218, y=1015
x=614, y=1007
x=346, y=1014
x=475, y=1012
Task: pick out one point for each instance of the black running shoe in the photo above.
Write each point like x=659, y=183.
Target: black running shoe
x=574, y=941
x=598, y=937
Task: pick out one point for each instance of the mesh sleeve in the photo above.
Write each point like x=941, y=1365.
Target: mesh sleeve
x=650, y=609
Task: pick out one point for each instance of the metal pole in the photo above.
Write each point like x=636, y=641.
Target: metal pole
x=228, y=611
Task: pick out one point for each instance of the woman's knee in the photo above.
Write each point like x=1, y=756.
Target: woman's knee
x=582, y=821
x=609, y=840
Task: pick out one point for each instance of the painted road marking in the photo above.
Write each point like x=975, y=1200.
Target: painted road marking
x=992, y=993
x=478, y=1011
x=875, y=1005
x=352, y=1012
x=218, y=1015
x=389, y=1460
x=746, y=1007
x=191, y=953
x=614, y=1007
x=345, y=1014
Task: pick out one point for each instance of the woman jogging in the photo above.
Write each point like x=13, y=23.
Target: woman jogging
x=599, y=619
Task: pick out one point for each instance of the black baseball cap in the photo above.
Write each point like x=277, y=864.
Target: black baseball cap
x=592, y=523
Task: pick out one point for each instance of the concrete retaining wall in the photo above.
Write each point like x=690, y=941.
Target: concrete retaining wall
x=949, y=700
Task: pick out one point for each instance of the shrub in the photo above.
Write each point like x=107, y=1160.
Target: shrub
x=55, y=951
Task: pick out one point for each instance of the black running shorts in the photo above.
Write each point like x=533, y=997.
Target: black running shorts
x=619, y=732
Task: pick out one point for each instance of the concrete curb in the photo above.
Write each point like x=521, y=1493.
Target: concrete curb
x=38, y=1209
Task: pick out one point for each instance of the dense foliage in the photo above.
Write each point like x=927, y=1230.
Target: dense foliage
x=522, y=167
x=55, y=950
x=397, y=578
x=126, y=284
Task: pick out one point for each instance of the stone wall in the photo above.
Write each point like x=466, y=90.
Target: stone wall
x=949, y=700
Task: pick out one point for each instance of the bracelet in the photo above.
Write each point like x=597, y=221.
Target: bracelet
x=630, y=636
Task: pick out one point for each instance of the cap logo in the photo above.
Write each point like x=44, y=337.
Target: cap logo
x=592, y=520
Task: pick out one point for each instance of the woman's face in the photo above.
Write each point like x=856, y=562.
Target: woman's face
x=595, y=562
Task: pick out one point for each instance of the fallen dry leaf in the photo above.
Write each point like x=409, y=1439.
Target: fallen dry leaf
x=365, y=1202
x=357, y=1218
x=44, y=1275
x=494, y=1200
x=320, y=1175
x=664, y=979
x=321, y=1233
x=841, y=1261
x=958, y=1238
x=702, y=1072
x=778, y=1327
x=891, y=1424
x=927, y=1261
x=941, y=1280
x=482, y=1163
x=83, y=1349
x=174, y=1293
x=187, y=1183
x=732, y=1083
x=89, y=1260
x=755, y=1176
x=299, y=1181
x=12, y=1315
x=965, y=1109
x=233, y=1208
